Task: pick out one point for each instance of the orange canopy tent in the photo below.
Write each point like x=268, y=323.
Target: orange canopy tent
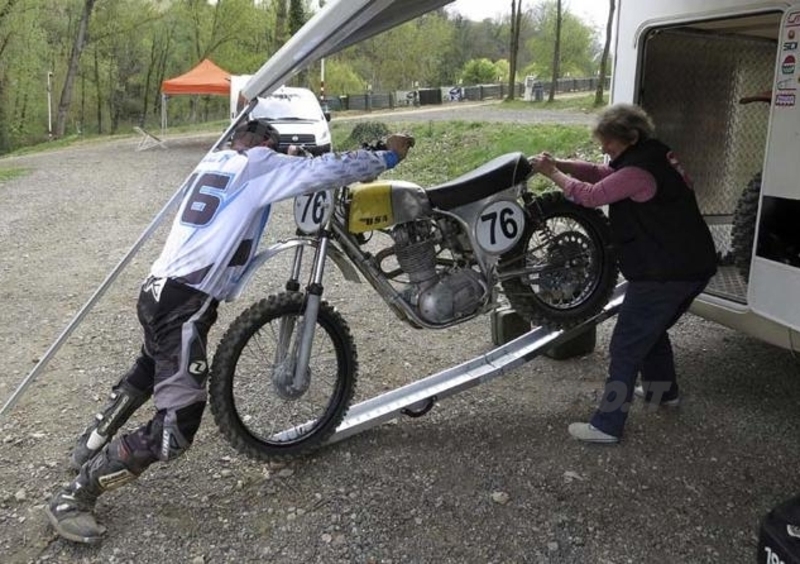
x=204, y=79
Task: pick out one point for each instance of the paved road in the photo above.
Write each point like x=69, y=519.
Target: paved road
x=481, y=111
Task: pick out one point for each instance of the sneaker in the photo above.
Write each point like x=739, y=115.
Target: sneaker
x=72, y=518
x=639, y=392
x=588, y=433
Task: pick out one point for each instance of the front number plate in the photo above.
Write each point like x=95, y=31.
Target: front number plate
x=312, y=211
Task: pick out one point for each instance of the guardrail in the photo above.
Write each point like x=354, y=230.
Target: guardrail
x=367, y=101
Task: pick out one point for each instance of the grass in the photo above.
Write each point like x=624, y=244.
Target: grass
x=7, y=174
x=583, y=102
x=445, y=150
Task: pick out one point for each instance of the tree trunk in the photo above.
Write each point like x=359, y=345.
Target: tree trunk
x=99, y=92
x=516, y=21
x=598, y=95
x=72, y=69
x=556, y=54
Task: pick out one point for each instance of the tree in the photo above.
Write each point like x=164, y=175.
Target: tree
x=479, y=71
x=513, y=49
x=408, y=54
x=78, y=44
x=556, y=54
x=579, y=51
x=598, y=95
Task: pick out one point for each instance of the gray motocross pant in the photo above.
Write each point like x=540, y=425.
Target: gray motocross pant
x=174, y=365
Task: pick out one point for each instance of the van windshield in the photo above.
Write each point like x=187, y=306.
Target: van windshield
x=288, y=106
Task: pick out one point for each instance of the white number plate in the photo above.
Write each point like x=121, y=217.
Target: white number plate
x=312, y=211
x=500, y=226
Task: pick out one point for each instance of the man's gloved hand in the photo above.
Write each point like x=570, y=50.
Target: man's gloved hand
x=400, y=144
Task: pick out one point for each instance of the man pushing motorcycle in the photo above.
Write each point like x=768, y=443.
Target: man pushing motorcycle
x=214, y=236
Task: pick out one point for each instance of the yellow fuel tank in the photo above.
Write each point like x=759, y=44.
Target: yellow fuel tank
x=377, y=205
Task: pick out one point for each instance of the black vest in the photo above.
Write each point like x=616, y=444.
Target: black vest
x=664, y=238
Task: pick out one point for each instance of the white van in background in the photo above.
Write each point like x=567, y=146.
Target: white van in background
x=295, y=113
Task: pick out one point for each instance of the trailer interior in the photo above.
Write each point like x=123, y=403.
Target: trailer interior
x=692, y=80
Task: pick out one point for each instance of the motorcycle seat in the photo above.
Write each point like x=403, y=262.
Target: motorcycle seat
x=498, y=174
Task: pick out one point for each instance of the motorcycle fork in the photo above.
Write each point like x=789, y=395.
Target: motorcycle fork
x=308, y=323
x=287, y=324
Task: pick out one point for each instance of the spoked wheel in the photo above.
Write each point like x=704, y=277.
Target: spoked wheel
x=259, y=405
x=566, y=269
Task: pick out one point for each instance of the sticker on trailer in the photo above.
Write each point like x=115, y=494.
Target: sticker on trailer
x=790, y=45
x=499, y=226
x=788, y=65
x=785, y=100
x=793, y=20
x=312, y=211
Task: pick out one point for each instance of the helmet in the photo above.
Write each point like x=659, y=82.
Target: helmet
x=262, y=128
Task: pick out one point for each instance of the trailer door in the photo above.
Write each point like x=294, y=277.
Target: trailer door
x=774, y=286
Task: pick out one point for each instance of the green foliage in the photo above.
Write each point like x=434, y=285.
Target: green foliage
x=503, y=68
x=297, y=15
x=404, y=57
x=480, y=71
x=340, y=77
x=365, y=132
x=580, y=47
x=134, y=45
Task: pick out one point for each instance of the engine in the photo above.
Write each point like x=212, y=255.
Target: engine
x=439, y=295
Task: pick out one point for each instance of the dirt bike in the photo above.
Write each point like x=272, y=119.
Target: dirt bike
x=284, y=373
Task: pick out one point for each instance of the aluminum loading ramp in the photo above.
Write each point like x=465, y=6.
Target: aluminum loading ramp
x=419, y=397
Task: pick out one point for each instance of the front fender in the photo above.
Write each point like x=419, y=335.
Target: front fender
x=339, y=259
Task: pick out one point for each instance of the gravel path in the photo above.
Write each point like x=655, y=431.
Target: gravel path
x=489, y=475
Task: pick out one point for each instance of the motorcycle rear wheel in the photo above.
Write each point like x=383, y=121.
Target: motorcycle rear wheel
x=572, y=270
x=253, y=408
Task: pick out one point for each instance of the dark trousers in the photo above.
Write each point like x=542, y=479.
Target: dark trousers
x=173, y=366
x=640, y=345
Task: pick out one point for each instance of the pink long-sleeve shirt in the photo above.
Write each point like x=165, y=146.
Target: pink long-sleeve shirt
x=595, y=185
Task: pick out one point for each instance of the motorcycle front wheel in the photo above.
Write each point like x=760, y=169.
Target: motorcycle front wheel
x=257, y=404
x=567, y=269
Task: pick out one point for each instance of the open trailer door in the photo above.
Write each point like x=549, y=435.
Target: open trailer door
x=340, y=24
x=774, y=286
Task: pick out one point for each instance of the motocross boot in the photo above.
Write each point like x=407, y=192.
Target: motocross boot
x=123, y=402
x=70, y=511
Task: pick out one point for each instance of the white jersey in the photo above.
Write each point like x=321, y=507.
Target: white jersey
x=226, y=205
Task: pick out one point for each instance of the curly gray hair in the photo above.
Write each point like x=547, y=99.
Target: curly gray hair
x=625, y=122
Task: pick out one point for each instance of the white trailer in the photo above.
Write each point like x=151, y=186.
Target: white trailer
x=690, y=64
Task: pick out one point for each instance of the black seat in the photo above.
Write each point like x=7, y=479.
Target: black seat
x=496, y=175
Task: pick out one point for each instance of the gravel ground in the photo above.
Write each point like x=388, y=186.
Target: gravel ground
x=490, y=475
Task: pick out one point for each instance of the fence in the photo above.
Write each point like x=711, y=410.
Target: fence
x=368, y=101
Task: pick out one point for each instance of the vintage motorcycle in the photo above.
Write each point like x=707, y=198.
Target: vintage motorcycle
x=284, y=373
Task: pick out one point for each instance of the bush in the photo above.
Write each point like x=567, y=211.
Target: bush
x=367, y=132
